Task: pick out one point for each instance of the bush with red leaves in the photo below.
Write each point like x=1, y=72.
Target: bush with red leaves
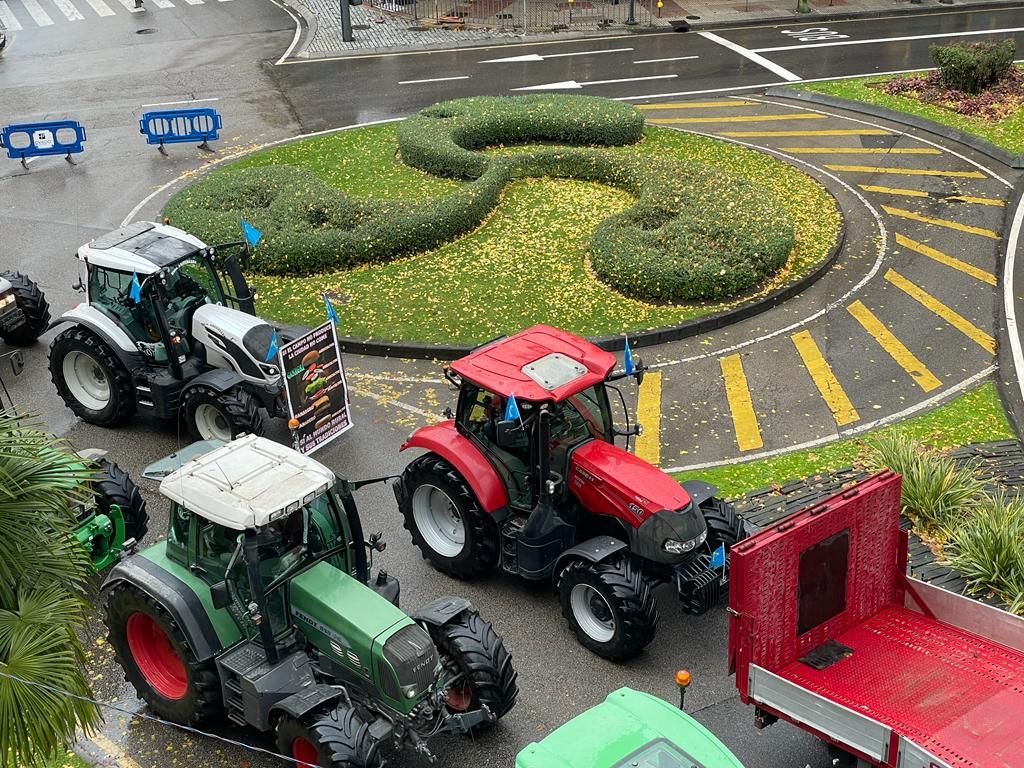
x=993, y=103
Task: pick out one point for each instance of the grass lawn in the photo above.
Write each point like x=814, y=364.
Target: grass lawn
x=70, y=760
x=1007, y=133
x=527, y=262
x=976, y=416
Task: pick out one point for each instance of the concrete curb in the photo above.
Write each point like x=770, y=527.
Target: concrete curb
x=978, y=145
x=1007, y=381
x=310, y=24
x=694, y=327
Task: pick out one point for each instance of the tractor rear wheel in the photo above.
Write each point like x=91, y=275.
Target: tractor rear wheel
x=609, y=606
x=445, y=519
x=115, y=487
x=478, y=664
x=90, y=378
x=335, y=739
x=157, y=661
x=724, y=525
x=224, y=416
x=33, y=306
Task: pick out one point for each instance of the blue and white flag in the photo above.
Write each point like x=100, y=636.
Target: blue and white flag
x=136, y=290
x=331, y=314
x=272, y=349
x=718, y=557
x=511, y=409
x=252, y=235
x=627, y=359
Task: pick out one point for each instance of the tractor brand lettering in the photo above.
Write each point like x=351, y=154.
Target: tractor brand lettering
x=421, y=665
x=322, y=628
x=585, y=475
x=638, y=511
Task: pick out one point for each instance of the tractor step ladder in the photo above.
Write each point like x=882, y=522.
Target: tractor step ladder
x=238, y=661
x=510, y=530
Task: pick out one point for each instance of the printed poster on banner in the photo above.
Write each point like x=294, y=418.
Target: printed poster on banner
x=316, y=388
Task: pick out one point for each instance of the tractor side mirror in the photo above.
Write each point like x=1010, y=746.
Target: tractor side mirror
x=219, y=594
x=504, y=434
x=639, y=372
x=17, y=362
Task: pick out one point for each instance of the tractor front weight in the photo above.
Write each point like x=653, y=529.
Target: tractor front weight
x=102, y=535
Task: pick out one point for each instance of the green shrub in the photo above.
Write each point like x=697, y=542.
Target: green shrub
x=937, y=494
x=972, y=67
x=693, y=233
x=988, y=549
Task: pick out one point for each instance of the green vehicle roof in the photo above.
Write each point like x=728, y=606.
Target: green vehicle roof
x=629, y=729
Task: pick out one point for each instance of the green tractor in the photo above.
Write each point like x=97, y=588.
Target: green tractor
x=629, y=729
x=259, y=607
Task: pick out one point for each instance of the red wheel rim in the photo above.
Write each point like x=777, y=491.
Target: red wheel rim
x=155, y=657
x=459, y=697
x=304, y=751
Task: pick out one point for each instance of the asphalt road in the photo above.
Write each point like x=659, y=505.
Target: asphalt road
x=102, y=70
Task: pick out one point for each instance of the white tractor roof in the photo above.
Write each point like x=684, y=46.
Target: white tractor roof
x=142, y=247
x=247, y=483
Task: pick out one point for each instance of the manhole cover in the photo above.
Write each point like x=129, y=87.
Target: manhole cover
x=693, y=18
x=360, y=26
x=145, y=31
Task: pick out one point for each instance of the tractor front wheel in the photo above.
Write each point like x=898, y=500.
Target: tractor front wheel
x=478, y=666
x=609, y=606
x=90, y=378
x=335, y=739
x=157, y=661
x=33, y=306
x=224, y=416
x=724, y=525
x=445, y=519
x=114, y=486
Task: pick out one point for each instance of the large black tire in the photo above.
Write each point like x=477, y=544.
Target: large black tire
x=724, y=525
x=338, y=737
x=613, y=613
x=129, y=610
x=480, y=547
x=470, y=647
x=33, y=306
x=120, y=403
x=115, y=487
x=237, y=411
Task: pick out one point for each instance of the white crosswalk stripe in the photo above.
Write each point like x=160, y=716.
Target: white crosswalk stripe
x=35, y=10
x=162, y=3
x=68, y=9
x=101, y=8
x=130, y=5
x=7, y=18
x=194, y=2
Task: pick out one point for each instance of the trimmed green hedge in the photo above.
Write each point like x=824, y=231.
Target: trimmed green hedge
x=693, y=233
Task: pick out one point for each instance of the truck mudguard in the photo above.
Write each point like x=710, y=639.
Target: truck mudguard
x=699, y=491
x=119, y=342
x=306, y=700
x=442, y=439
x=439, y=612
x=217, y=379
x=174, y=595
x=594, y=550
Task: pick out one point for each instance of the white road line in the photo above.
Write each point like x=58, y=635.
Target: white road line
x=7, y=18
x=68, y=9
x=39, y=16
x=295, y=37
x=701, y=91
x=130, y=6
x=381, y=399
x=887, y=39
x=539, y=57
x=1008, y=308
x=175, y=103
x=674, y=58
x=860, y=428
x=162, y=3
x=194, y=2
x=434, y=80
x=746, y=53
x=101, y=8
x=572, y=85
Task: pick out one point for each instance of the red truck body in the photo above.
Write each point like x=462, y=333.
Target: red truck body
x=828, y=632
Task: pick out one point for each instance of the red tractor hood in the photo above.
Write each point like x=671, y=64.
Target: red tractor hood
x=609, y=480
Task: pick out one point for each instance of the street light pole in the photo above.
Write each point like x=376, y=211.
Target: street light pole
x=346, y=21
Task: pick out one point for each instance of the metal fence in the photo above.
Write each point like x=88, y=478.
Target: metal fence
x=524, y=15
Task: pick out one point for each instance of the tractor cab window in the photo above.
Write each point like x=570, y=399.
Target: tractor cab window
x=110, y=290
x=586, y=414
x=186, y=287
x=177, y=533
x=479, y=414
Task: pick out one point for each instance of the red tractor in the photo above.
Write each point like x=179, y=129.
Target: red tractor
x=546, y=494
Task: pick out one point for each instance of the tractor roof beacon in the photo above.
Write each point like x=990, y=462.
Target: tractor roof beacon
x=259, y=606
x=548, y=495
x=168, y=327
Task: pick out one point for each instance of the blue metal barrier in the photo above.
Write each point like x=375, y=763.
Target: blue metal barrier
x=180, y=126
x=57, y=137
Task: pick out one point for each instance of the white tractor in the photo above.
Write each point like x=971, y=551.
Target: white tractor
x=24, y=312
x=169, y=328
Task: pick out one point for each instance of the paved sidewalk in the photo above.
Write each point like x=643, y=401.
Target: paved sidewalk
x=391, y=25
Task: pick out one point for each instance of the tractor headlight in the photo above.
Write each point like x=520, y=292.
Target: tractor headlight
x=676, y=547
x=6, y=300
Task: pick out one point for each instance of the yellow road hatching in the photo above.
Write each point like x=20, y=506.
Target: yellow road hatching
x=744, y=420
x=825, y=132
x=648, y=413
x=735, y=118
x=947, y=223
x=113, y=751
x=828, y=385
x=894, y=347
x=958, y=321
x=906, y=171
x=859, y=151
x=942, y=258
x=696, y=105
x=921, y=193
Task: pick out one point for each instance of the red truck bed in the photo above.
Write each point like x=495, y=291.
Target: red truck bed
x=829, y=633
